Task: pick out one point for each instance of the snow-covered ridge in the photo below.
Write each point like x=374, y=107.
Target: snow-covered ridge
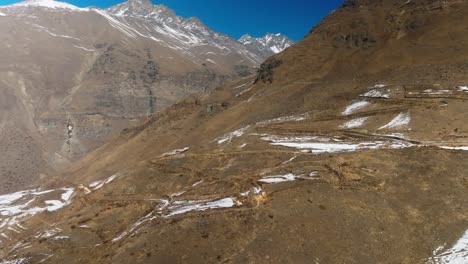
x=140, y=19
x=51, y=4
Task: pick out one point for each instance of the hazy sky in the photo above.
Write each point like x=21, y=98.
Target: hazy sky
x=237, y=17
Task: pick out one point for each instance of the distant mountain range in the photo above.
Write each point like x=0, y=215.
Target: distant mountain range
x=72, y=78
x=268, y=45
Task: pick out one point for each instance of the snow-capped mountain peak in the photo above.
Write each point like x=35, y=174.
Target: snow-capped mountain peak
x=136, y=8
x=270, y=43
x=50, y=4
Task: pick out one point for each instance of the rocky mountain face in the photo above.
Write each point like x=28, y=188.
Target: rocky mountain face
x=72, y=78
x=348, y=147
x=268, y=45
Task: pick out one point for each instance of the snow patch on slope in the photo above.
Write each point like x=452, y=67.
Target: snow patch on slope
x=19, y=205
x=377, y=91
x=320, y=145
x=400, y=121
x=293, y=118
x=235, y=134
x=462, y=89
x=354, y=107
x=85, y=49
x=99, y=184
x=175, y=152
x=355, y=123
x=287, y=178
x=15, y=261
x=182, y=207
x=455, y=148
x=457, y=254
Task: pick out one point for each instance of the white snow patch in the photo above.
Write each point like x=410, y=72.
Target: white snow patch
x=235, y=134
x=83, y=48
x=354, y=107
x=457, y=254
x=240, y=86
x=54, y=205
x=17, y=206
x=21, y=245
x=254, y=190
x=257, y=190
x=178, y=194
x=462, y=89
x=67, y=194
x=319, y=145
x=437, y=92
x=376, y=93
x=49, y=233
x=397, y=135
x=15, y=261
x=243, y=92
x=455, y=148
x=99, y=184
x=197, y=183
x=175, y=152
x=287, y=178
x=400, y=121
x=86, y=189
x=245, y=194
x=355, y=123
x=149, y=217
x=295, y=118
x=61, y=237
x=126, y=30
x=289, y=160
x=182, y=207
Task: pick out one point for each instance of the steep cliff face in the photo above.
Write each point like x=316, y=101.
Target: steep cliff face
x=348, y=147
x=73, y=78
